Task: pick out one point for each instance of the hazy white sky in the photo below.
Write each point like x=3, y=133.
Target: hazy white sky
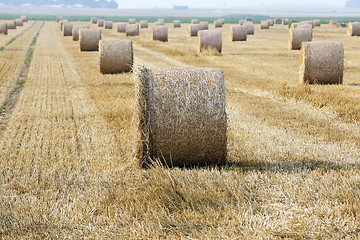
x=229, y=3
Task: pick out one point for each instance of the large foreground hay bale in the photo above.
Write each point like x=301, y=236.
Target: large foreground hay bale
x=144, y=24
x=353, y=28
x=204, y=25
x=94, y=20
x=218, y=24
x=298, y=36
x=322, y=63
x=317, y=23
x=121, y=27
x=11, y=24
x=59, y=18
x=209, y=39
x=19, y=22
x=193, y=29
x=108, y=24
x=250, y=28
x=68, y=27
x=182, y=116
x=116, y=56
x=264, y=24
x=75, y=31
x=278, y=21
x=132, y=30
x=101, y=22
x=89, y=39
x=195, y=21
x=160, y=33
x=177, y=23
x=3, y=28
x=132, y=21
x=238, y=33
x=24, y=18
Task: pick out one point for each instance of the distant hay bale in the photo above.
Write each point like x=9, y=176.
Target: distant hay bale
x=59, y=18
x=121, y=27
x=317, y=22
x=222, y=20
x=3, y=28
x=291, y=24
x=108, y=24
x=308, y=22
x=278, y=21
x=61, y=24
x=89, y=39
x=298, y=36
x=94, y=20
x=177, y=23
x=132, y=30
x=285, y=21
x=217, y=24
x=250, y=28
x=101, y=23
x=182, y=116
x=67, y=29
x=144, y=24
x=132, y=21
x=248, y=19
x=204, y=25
x=264, y=24
x=11, y=24
x=195, y=21
x=333, y=22
x=160, y=33
x=116, y=56
x=24, y=18
x=193, y=29
x=75, y=31
x=304, y=26
x=238, y=33
x=19, y=22
x=241, y=22
x=322, y=63
x=209, y=39
x=353, y=28
x=161, y=21
x=271, y=22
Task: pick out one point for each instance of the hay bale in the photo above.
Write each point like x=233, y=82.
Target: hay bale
x=209, y=39
x=3, y=28
x=322, y=63
x=75, y=31
x=271, y=22
x=94, y=20
x=353, y=28
x=264, y=24
x=248, y=19
x=144, y=24
x=161, y=21
x=238, y=33
x=278, y=21
x=193, y=29
x=132, y=21
x=24, y=18
x=108, y=24
x=298, y=36
x=116, y=56
x=308, y=22
x=59, y=18
x=159, y=24
x=101, y=23
x=204, y=25
x=222, y=20
x=317, y=23
x=291, y=24
x=11, y=24
x=182, y=116
x=177, y=23
x=68, y=27
x=61, y=24
x=195, y=21
x=250, y=28
x=160, y=33
x=19, y=22
x=218, y=24
x=132, y=30
x=121, y=27
x=89, y=39
x=285, y=21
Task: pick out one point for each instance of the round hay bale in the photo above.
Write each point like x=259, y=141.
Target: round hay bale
x=19, y=22
x=308, y=22
x=177, y=23
x=248, y=19
x=116, y=56
x=11, y=24
x=271, y=22
x=160, y=33
x=222, y=20
x=24, y=18
x=132, y=21
x=241, y=22
x=3, y=28
x=161, y=20
x=75, y=31
x=353, y=28
x=144, y=24
x=159, y=24
x=250, y=28
x=108, y=24
x=89, y=39
x=298, y=36
x=94, y=20
x=278, y=21
x=238, y=33
x=209, y=39
x=204, y=25
x=59, y=18
x=182, y=116
x=291, y=24
x=322, y=63
x=132, y=30
x=68, y=27
x=317, y=23
x=193, y=29
x=195, y=21
x=285, y=21
x=218, y=24
x=264, y=24
x=101, y=23
x=121, y=27
x=61, y=24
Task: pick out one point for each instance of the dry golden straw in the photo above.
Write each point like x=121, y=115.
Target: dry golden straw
x=19, y=22
x=11, y=24
x=24, y=18
x=132, y=21
x=238, y=33
x=209, y=39
x=193, y=29
x=67, y=29
x=217, y=24
x=94, y=20
x=144, y=24
x=3, y=28
x=177, y=23
x=182, y=117
x=75, y=31
x=89, y=39
x=108, y=24
x=264, y=24
x=101, y=23
x=250, y=28
x=322, y=63
x=121, y=27
x=204, y=25
x=132, y=30
x=298, y=36
x=353, y=28
x=116, y=56
x=160, y=33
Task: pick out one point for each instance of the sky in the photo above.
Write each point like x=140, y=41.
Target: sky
x=230, y=3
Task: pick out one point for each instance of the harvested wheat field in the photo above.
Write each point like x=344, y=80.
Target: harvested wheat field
x=69, y=142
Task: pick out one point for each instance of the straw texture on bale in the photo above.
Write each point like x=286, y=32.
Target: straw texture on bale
x=298, y=36
x=116, y=56
x=238, y=33
x=144, y=24
x=209, y=39
x=24, y=18
x=177, y=23
x=68, y=27
x=195, y=21
x=278, y=21
x=75, y=31
x=217, y=24
x=250, y=28
x=322, y=63
x=264, y=24
x=108, y=24
x=100, y=23
x=204, y=25
x=193, y=29
x=160, y=33
x=94, y=20
x=132, y=30
x=132, y=21
x=161, y=20
x=182, y=116
x=89, y=39
x=3, y=28
x=353, y=28
x=59, y=18
x=317, y=23
x=19, y=22
x=271, y=22
x=11, y=24
x=285, y=21
x=121, y=27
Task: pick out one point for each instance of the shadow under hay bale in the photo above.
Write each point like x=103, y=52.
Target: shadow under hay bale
x=116, y=56
x=298, y=36
x=89, y=39
x=182, y=117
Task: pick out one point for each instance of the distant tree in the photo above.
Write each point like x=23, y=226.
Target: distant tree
x=353, y=3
